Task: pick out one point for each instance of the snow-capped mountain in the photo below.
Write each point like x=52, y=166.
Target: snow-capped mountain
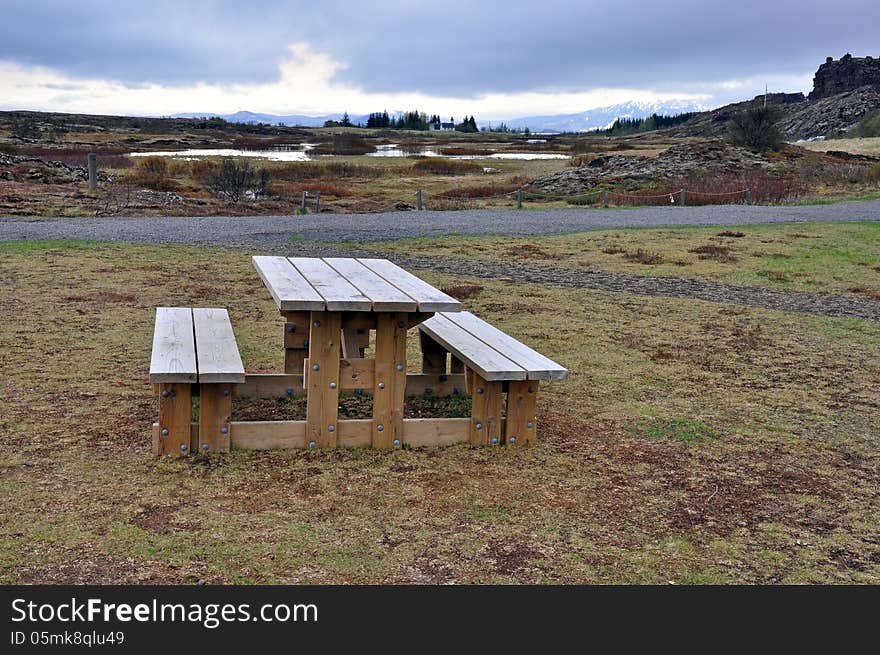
x=599, y=118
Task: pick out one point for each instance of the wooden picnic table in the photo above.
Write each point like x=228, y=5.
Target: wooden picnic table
x=330, y=305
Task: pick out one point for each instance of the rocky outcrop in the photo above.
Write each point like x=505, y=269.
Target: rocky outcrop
x=34, y=169
x=830, y=116
x=846, y=74
x=677, y=161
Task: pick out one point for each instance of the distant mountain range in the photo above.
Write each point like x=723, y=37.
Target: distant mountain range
x=250, y=117
x=592, y=119
x=601, y=117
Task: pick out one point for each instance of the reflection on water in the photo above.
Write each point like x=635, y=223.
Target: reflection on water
x=300, y=152
x=293, y=152
x=394, y=150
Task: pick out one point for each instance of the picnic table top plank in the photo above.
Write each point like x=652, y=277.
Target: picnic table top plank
x=174, y=354
x=485, y=360
x=537, y=365
x=429, y=298
x=216, y=349
x=338, y=293
x=348, y=284
x=290, y=290
x=386, y=296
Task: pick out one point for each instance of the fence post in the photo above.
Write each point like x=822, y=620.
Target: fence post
x=682, y=197
x=419, y=200
x=604, y=198
x=302, y=208
x=317, y=202
x=93, y=171
x=748, y=196
x=519, y=198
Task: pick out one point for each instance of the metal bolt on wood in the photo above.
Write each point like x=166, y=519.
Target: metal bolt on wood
x=226, y=392
x=316, y=367
x=164, y=432
x=512, y=440
x=291, y=327
x=206, y=447
x=494, y=441
x=165, y=393
x=289, y=391
x=380, y=427
x=479, y=426
x=331, y=428
x=381, y=385
x=479, y=390
x=530, y=424
x=224, y=430
x=311, y=444
x=396, y=443
x=183, y=448
x=399, y=367
x=317, y=323
x=332, y=385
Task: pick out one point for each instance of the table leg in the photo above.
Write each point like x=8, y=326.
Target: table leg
x=322, y=408
x=389, y=389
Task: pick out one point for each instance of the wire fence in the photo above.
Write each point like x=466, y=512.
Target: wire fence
x=522, y=196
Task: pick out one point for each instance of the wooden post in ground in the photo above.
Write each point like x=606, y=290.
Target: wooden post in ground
x=318, y=202
x=519, y=198
x=604, y=198
x=681, y=197
x=93, y=171
x=302, y=207
x=389, y=386
x=519, y=426
x=322, y=392
x=419, y=199
x=175, y=416
x=486, y=412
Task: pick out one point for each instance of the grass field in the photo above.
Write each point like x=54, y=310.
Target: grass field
x=840, y=258
x=693, y=442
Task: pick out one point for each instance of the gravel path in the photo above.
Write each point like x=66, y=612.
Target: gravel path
x=262, y=230
x=313, y=236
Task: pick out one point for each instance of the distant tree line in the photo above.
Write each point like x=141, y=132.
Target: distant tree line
x=652, y=122
x=409, y=120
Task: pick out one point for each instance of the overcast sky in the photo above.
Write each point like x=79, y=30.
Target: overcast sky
x=495, y=59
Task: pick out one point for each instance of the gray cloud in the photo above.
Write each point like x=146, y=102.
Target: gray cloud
x=442, y=48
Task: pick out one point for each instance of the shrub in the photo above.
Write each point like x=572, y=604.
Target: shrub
x=867, y=127
x=463, y=151
x=439, y=166
x=756, y=128
x=203, y=170
x=152, y=173
x=234, y=178
x=8, y=149
x=107, y=157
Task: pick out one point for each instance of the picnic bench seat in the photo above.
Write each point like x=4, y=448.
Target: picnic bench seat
x=495, y=363
x=194, y=353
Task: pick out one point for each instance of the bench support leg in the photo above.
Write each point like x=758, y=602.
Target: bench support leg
x=175, y=416
x=323, y=387
x=520, y=424
x=434, y=355
x=296, y=341
x=215, y=408
x=355, y=342
x=389, y=386
x=486, y=412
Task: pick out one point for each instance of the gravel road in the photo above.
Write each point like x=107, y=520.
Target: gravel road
x=260, y=231
x=314, y=236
